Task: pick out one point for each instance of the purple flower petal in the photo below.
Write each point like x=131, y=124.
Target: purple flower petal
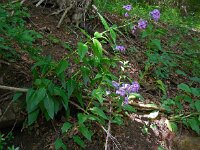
x=142, y=24
x=115, y=84
x=126, y=14
x=155, y=14
x=127, y=7
x=120, y=48
x=126, y=100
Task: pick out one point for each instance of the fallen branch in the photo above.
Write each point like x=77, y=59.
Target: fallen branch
x=13, y=88
x=64, y=14
x=39, y=3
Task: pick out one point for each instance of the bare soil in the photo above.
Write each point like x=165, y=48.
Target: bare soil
x=137, y=133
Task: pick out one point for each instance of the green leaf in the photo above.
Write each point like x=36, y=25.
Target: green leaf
x=49, y=106
x=97, y=48
x=118, y=120
x=85, y=73
x=113, y=35
x=34, y=98
x=104, y=22
x=32, y=117
x=171, y=126
x=184, y=87
x=196, y=91
x=197, y=105
x=82, y=50
x=71, y=84
x=98, y=35
x=98, y=94
x=129, y=108
x=17, y=96
x=79, y=141
x=59, y=144
x=194, y=124
x=98, y=112
x=195, y=79
x=161, y=86
x=157, y=43
x=181, y=72
x=135, y=95
x=82, y=118
x=85, y=132
x=66, y=126
x=63, y=65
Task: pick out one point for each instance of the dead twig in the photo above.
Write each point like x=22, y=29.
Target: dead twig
x=39, y=3
x=109, y=126
x=64, y=14
x=13, y=88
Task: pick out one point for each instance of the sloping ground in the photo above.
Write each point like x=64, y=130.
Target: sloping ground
x=138, y=133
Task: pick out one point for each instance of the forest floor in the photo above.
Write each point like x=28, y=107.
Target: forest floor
x=137, y=133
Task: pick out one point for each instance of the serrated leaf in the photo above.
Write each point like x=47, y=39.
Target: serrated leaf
x=104, y=22
x=82, y=50
x=49, y=106
x=79, y=141
x=59, y=144
x=184, y=87
x=63, y=65
x=98, y=112
x=197, y=105
x=66, y=126
x=97, y=48
x=32, y=117
x=85, y=132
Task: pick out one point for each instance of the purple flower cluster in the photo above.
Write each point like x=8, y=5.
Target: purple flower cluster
x=155, y=14
x=120, y=48
x=125, y=90
x=128, y=8
x=142, y=24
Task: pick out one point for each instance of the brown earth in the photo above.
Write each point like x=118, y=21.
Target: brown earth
x=138, y=133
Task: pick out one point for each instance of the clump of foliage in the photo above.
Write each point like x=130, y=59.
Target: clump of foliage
x=15, y=37
x=84, y=78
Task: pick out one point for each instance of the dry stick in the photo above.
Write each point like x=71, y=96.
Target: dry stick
x=39, y=3
x=13, y=88
x=64, y=14
x=109, y=126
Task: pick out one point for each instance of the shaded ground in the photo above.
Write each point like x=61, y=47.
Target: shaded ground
x=137, y=134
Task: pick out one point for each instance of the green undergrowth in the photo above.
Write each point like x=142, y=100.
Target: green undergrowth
x=84, y=78
x=170, y=15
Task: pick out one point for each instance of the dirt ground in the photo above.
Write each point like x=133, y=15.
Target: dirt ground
x=138, y=133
